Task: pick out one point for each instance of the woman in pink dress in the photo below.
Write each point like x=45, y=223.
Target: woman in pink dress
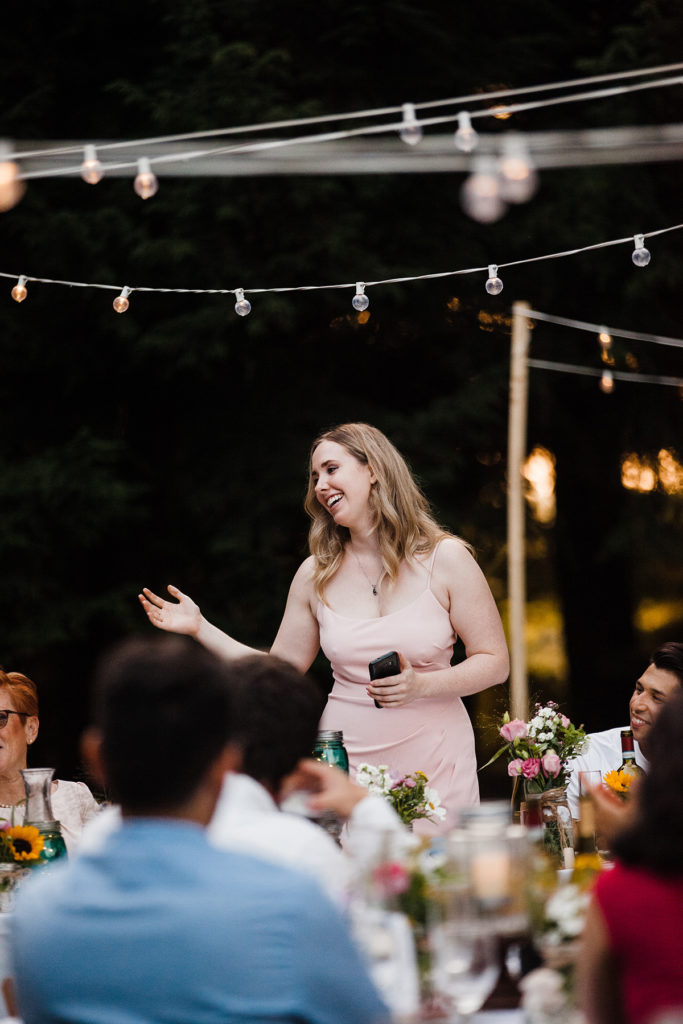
x=381, y=576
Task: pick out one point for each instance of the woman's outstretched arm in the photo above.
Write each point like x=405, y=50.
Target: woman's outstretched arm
x=297, y=640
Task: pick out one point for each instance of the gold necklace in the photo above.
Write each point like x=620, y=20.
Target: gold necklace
x=377, y=582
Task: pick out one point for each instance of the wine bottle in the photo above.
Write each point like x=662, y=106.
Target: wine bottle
x=628, y=755
x=587, y=861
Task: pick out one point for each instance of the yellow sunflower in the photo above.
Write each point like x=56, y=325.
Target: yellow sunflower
x=618, y=781
x=26, y=842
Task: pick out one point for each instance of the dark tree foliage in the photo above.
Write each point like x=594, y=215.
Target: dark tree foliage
x=170, y=444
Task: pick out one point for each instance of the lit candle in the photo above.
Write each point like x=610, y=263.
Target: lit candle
x=490, y=871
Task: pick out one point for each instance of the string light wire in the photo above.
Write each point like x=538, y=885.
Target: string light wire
x=586, y=371
x=333, y=136
x=332, y=287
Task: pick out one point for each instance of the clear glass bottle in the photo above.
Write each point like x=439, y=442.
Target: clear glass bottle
x=587, y=861
x=39, y=813
x=628, y=755
x=329, y=747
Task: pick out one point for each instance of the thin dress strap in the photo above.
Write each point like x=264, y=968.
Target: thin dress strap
x=431, y=564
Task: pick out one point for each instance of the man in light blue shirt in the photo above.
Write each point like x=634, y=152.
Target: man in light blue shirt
x=159, y=926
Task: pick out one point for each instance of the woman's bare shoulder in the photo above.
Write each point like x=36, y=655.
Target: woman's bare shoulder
x=303, y=577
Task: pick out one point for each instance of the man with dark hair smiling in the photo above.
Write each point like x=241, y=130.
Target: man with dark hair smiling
x=662, y=678
x=158, y=925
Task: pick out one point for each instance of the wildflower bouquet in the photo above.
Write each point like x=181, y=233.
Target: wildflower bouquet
x=410, y=796
x=539, y=750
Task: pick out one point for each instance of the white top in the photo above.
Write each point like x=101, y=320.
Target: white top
x=603, y=754
x=72, y=805
x=248, y=820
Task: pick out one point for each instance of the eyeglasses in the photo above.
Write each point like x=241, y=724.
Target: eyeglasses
x=5, y=713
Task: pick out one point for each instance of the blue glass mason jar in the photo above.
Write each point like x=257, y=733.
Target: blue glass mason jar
x=329, y=747
x=38, y=785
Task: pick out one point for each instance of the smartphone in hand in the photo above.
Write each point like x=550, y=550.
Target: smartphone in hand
x=387, y=665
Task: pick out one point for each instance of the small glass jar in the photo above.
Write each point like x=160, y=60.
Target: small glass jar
x=38, y=786
x=329, y=747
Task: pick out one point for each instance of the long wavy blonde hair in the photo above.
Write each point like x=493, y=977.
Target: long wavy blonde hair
x=401, y=515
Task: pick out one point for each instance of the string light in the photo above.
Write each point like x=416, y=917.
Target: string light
x=480, y=193
x=605, y=340
x=12, y=187
x=242, y=306
x=410, y=131
x=640, y=255
x=121, y=302
x=360, y=301
x=465, y=137
x=494, y=285
x=145, y=184
x=607, y=382
x=519, y=180
x=19, y=291
x=91, y=168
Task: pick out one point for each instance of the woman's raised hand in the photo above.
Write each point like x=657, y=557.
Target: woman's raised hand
x=179, y=616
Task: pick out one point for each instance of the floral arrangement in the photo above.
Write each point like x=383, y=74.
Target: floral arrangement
x=19, y=843
x=539, y=750
x=410, y=796
x=619, y=782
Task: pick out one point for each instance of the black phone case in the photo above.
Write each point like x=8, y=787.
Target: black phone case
x=386, y=665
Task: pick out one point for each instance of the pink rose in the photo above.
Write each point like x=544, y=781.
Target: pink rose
x=515, y=767
x=531, y=767
x=552, y=765
x=513, y=730
x=565, y=721
x=391, y=877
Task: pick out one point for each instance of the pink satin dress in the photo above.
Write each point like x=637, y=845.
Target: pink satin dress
x=433, y=734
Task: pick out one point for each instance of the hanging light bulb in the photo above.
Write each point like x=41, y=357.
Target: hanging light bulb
x=121, y=302
x=607, y=382
x=494, y=285
x=145, y=184
x=12, y=187
x=640, y=255
x=19, y=291
x=91, y=168
x=360, y=301
x=465, y=136
x=480, y=194
x=605, y=340
x=519, y=180
x=411, y=129
x=242, y=306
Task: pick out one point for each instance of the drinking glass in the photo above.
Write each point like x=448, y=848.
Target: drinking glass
x=465, y=963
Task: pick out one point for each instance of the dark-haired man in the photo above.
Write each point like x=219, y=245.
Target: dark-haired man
x=159, y=925
x=662, y=678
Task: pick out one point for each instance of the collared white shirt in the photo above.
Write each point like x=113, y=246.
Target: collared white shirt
x=602, y=754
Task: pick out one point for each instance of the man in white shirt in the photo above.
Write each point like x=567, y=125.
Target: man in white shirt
x=662, y=678
x=279, y=709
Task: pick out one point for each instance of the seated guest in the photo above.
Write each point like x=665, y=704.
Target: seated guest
x=72, y=802
x=662, y=678
x=277, y=711
x=160, y=926
x=630, y=968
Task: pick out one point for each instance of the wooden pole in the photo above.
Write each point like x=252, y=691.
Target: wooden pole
x=517, y=425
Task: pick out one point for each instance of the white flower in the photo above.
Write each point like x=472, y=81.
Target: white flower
x=546, y=713
x=543, y=991
x=536, y=723
x=433, y=804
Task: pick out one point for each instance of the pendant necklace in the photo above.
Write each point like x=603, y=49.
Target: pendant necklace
x=360, y=566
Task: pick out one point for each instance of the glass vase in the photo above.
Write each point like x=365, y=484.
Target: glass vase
x=38, y=786
x=556, y=821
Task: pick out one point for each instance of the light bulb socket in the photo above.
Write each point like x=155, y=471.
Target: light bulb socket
x=145, y=184
x=91, y=168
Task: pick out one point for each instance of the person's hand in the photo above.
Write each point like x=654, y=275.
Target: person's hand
x=612, y=814
x=179, y=616
x=394, y=691
x=330, y=788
